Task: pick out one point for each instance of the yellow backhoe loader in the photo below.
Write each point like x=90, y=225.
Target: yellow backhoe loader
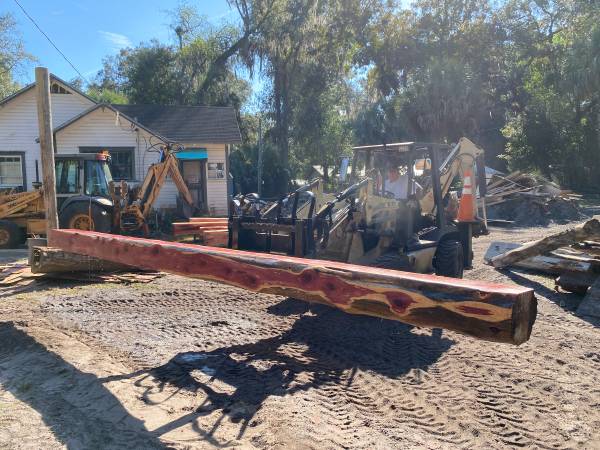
x=88, y=198
x=394, y=214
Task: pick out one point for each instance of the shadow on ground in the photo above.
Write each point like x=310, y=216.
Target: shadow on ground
x=323, y=346
x=567, y=300
x=78, y=409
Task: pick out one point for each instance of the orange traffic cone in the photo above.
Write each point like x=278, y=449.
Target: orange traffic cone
x=466, y=209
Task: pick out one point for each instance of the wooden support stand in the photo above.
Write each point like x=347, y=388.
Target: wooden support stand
x=487, y=311
x=55, y=260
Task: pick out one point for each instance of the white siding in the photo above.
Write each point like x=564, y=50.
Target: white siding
x=19, y=130
x=19, y=126
x=101, y=129
x=216, y=194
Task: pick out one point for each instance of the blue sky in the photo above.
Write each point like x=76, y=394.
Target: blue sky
x=87, y=30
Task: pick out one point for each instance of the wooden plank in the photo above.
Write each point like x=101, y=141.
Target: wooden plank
x=44, y=109
x=196, y=231
x=488, y=311
x=198, y=225
x=581, y=232
x=208, y=219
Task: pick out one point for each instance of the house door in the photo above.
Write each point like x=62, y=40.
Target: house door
x=193, y=174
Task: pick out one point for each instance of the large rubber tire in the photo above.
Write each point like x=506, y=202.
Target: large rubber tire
x=449, y=259
x=77, y=215
x=11, y=235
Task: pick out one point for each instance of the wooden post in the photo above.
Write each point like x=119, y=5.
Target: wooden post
x=487, y=311
x=44, y=110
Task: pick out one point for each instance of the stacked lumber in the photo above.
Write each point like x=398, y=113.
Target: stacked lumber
x=206, y=230
x=572, y=254
x=539, y=200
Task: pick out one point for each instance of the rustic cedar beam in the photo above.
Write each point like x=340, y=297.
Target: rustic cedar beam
x=488, y=311
x=581, y=232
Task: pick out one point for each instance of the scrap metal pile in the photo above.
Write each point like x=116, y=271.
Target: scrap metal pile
x=528, y=199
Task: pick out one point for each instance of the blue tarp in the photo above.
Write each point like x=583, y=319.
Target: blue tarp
x=192, y=153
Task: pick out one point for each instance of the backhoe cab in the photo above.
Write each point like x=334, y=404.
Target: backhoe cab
x=377, y=221
x=82, y=191
x=83, y=202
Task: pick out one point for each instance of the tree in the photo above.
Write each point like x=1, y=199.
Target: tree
x=156, y=73
x=436, y=74
x=554, y=124
x=13, y=56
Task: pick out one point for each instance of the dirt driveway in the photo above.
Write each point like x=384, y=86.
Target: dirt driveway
x=188, y=364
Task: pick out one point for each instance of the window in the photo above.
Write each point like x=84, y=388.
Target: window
x=121, y=161
x=97, y=179
x=11, y=171
x=67, y=176
x=216, y=170
x=56, y=88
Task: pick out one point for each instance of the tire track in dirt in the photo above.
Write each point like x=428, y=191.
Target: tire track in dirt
x=281, y=371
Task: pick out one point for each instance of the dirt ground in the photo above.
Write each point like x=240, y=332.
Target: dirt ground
x=179, y=363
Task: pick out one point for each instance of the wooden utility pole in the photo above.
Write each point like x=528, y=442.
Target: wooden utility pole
x=44, y=109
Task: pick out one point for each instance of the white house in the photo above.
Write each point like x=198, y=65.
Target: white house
x=131, y=133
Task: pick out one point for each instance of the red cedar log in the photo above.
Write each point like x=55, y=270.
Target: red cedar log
x=487, y=311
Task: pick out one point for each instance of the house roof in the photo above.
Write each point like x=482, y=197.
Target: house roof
x=183, y=124
x=116, y=111
x=188, y=124
x=32, y=85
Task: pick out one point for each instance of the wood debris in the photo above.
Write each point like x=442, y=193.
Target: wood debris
x=16, y=278
x=572, y=254
x=529, y=199
x=579, y=233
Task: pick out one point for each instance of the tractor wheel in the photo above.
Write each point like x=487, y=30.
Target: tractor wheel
x=85, y=216
x=449, y=259
x=11, y=236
